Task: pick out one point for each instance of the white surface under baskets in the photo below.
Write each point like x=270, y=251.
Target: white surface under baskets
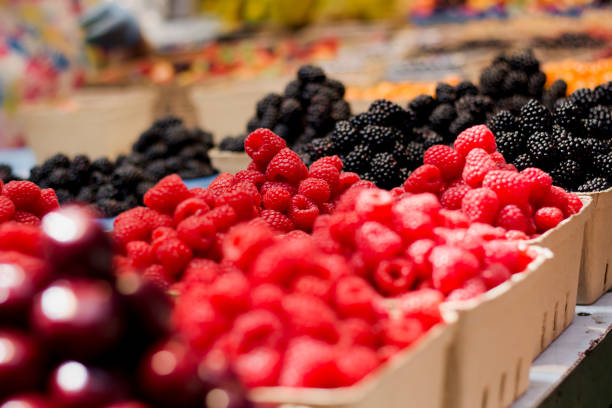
x=228, y=162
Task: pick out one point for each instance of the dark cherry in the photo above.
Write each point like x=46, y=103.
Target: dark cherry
x=17, y=287
x=20, y=362
x=75, y=385
x=226, y=398
x=77, y=318
x=28, y=401
x=75, y=244
x=128, y=404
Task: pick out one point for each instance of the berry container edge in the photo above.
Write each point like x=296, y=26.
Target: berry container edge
x=228, y=162
x=414, y=378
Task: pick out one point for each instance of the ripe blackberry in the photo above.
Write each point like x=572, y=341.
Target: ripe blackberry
x=59, y=178
x=542, y=149
x=320, y=147
x=404, y=174
x=173, y=164
x=309, y=91
x=466, y=88
x=413, y=155
x=602, y=164
x=156, y=169
x=358, y=160
x=492, y=79
x=97, y=178
x=567, y=174
x=142, y=188
x=146, y=139
x=59, y=160
x=360, y=120
x=573, y=148
x=399, y=152
x=344, y=136
x=379, y=138
x=233, y=144
x=422, y=106
x=513, y=103
x=269, y=118
x=523, y=161
x=463, y=121
x=203, y=137
x=110, y=207
x=166, y=122
x=107, y=191
x=515, y=82
x=86, y=194
x=567, y=115
x=386, y=113
x=64, y=196
x=36, y=174
x=126, y=177
x=341, y=110
x=441, y=117
x=556, y=92
x=336, y=86
x=535, y=84
x=271, y=100
x=80, y=167
x=293, y=89
x=385, y=170
x=431, y=138
x=445, y=93
x=102, y=165
x=156, y=151
x=599, y=121
x=477, y=105
x=510, y=144
x=523, y=60
x=252, y=124
x=535, y=118
x=502, y=121
x=604, y=93
x=310, y=73
x=594, y=184
x=584, y=99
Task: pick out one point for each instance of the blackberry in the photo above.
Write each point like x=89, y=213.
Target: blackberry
x=535, y=84
x=404, y=174
x=63, y=196
x=466, y=88
x=476, y=105
x=542, y=149
x=280, y=129
x=360, y=120
x=385, y=170
x=270, y=101
x=523, y=161
x=335, y=86
x=492, y=79
x=142, y=188
x=146, y=139
x=110, y=207
x=513, y=103
x=343, y=136
x=290, y=111
x=379, y=138
x=166, y=122
x=535, y=118
x=189, y=152
x=135, y=159
x=86, y=195
x=572, y=148
x=320, y=147
x=310, y=73
x=97, y=178
x=584, y=99
x=602, y=164
x=59, y=178
x=126, y=177
x=463, y=121
x=358, y=160
x=413, y=155
x=309, y=91
x=557, y=91
x=431, y=138
x=234, y=144
x=596, y=146
x=293, y=89
x=386, y=113
x=176, y=137
x=36, y=174
x=203, y=137
x=269, y=118
x=173, y=164
x=103, y=165
x=515, y=82
x=399, y=153
x=59, y=160
x=156, y=151
x=567, y=115
x=445, y=93
x=604, y=93
x=594, y=184
x=567, y=174
x=422, y=106
x=502, y=121
x=509, y=144
x=441, y=117
x=599, y=121
x=252, y=124
x=106, y=191
x=80, y=164
x=156, y=169
x=523, y=60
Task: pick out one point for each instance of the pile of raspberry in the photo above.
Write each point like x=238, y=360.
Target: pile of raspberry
x=314, y=310
x=179, y=224
x=25, y=202
x=474, y=177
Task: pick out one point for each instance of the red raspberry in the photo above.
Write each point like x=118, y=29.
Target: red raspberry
x=504, y=252
x=470, y=289
x=412, y=225
x=329, y=173
x=255, y=329
x=354, y=363
x=262, y=144
x=197, y=231
x=452, y=197
x=511, y=217
x=189, y=207
x=309, y=363
x=310, y=316
x=327, y=208
x=200, y=272
x=547, y=218
x=157, y=275
x=166, y=194
x=354, y=297
x=286, y=166
x=480, y=205
x=446, y=159
x=425, y=202
x=141, y=253
x=377, y=242
x=539, y=183
x=174, y=255
x=21, y=238
x=574, y=204
x=257, y=167
x=419, y=252
x=7, y=209
x=303, y=212
x=249, y=188
x=316, y=189
x=240, y=201
x=251, y=176
x=274, y=184
x=494, y=275
x=485, y=232
x=313, y=286
x=222, y=217
x=397, y=192
x=222, y=182
x=277, y=220
x=205, y=194
x=556, y=197
x=267, y=296
x=346, y=180
x=333, y=160
x=357, y=332
x=423, y=305
x=46, y=203
x=197, y=320
x=426, y=178
x=515, y=235
x=402, y=332
x=163, y=233
x=244, y=242
x=342, y=227
x=510, y=187
x=229, y=293
x=478, y=136
x=126, y=229
x=374, y=205
x=259, y=368
x=395, y=276
x=452, y=219
x=277, y=198
x=24, y=194
x=477, y=164
x=451, y=266
x=499, y=159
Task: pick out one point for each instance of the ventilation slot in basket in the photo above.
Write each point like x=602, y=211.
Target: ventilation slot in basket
x=502, y=387
x=554, y=328
x=485, y=397
x=566, y=318
x=517, y=379
x=543, y=335
x=606, y=276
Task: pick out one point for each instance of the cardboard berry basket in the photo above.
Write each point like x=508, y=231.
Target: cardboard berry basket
x=595, y=279
x=414, y=378
x=228, y=162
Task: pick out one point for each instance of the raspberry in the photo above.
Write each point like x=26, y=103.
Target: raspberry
x=480, y=205
x=422, y=304
x=402, y=332
x=329, y=173
x=511, y=217
x=510, y=187
x=205, y=194
x=374, y=205
x=249, y=188
x=244, y=242
x=478, y=136
x=557, y=197
x=277, y=220
x=222, y=217
x=262, y=144
x=452, y=219
x=357, y=332
x=277, y=198
x=273, y=184
x=189, y=207
x=452, y=197
x=310, y=316
x=446, y=159
x=312, y=286
x=354, y=297
x=425, y=202
x=196, y=231
x=267, y=296
x=426, y=178
x=166, y=194
x=393, y=277
x=573, y=203
x=24, y=194
x=259, y=368
x=157, y=274
x=547, y=218
x=229, y=293
x=222, y=182
x=197, y=320
x=240, y=201
x=477, y=164
x=21, y=238
x=451, y=266
x=174, y=255
x=504, y=252
x=355, y=363
x=539, y=183
x=316, y=189
x=141, y=253
x=333, y=160
x=286, y=166
x=470, y=289
x=255, y=329
x=252, y=176
x=342, y=227
x=309, y=363
x=412, y=225
x=303, y=212
x=47, y=202
x=163, y=233
x=515, y=235
x=494, y=275
x=126, y=229
x=419, y=252
x=376, y=242
x=279, y=263
x=346, y=180
x=7, y=209
x=200, y=272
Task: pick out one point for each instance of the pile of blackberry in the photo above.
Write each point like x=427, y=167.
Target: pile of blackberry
x=166, y=147
x=309, y=106
x=6, y=173
x=573, y=142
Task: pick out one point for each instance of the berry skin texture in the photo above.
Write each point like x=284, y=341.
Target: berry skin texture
x=453, y=197
x=141, y=253
x=315, y=189
x=547, y=218
x=309, y=363
x=424, y=179
x=327, y=172
x=196, y=231
x=451, y=267
x=166, y=194
x=395, y=276
x=423, y=305
x=510, y=187
x=480, y=205
x=24, y=194
x=478, y=136
x=277, y=198
x=511, y=217
x=477, y=164
x=174, y=255
x=189, y=207
x=262, y=145
x=303, y=212
x=286, y=166
x=376, y=241
x=277, y=220
x=7, y=209
x=446, y=159
x=539, y=183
